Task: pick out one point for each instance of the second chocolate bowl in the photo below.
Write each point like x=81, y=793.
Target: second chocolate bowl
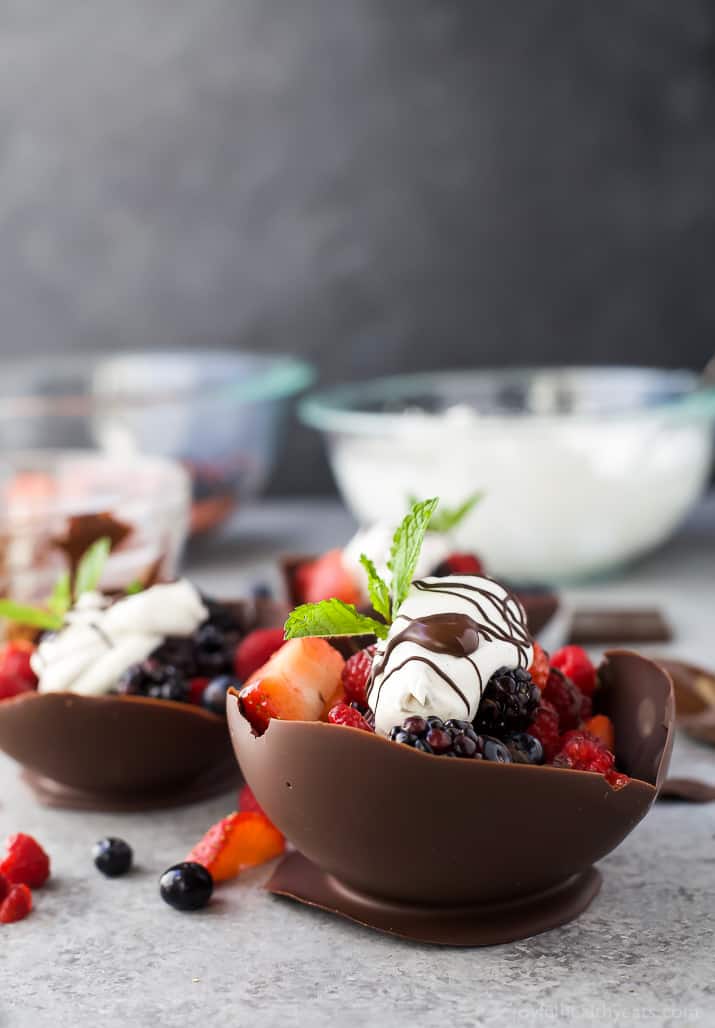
x=450, y=851
x=123, y=752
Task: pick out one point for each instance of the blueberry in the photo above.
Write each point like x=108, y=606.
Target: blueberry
x=113, y=857
x=186, y=886
x=524, y=748
x=211, y=651
x=494, y=749
x=214, y=695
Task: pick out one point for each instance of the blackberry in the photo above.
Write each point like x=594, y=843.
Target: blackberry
x=212, y=652
x=155, y=680
x=179, y=652
x=524, y=748
x=113, y=857
x=451, y=738
x=221, y=616
x=508, y=703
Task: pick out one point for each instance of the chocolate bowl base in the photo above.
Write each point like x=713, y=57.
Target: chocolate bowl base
x=486, y=924
x=212, y=782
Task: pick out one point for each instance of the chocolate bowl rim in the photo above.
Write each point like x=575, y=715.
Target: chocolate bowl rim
x=187, y=708
x=528, y=768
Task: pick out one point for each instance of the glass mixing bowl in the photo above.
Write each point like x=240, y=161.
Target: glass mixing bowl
x=55, y=503
x=582, y=469
x=219, y=412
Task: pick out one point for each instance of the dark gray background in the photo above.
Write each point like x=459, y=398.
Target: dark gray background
x=377, y=185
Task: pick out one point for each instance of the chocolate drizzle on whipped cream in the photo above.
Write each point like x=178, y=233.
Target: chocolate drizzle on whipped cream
x=496, y=616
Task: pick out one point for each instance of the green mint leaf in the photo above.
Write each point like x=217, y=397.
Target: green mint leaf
x=24, y=614
x=91, y=566
x=406, y=546
x=330, y=618
x=134, y=587
x=446, y=519
x=60, y=599
x=377, y=588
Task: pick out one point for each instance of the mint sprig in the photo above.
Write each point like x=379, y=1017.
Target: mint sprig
x=331, y=618
x=406, y=546
x=377, y=588
x=446, y=519
x=91, y=566
x=51, y=616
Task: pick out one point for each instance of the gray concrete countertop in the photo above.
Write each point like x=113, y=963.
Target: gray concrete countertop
x=109, y=952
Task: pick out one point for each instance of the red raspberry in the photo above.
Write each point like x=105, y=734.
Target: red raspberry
x=539, y=669
x=565, y=697
x=255, y=649
x=356, y=674
x=616, y=780
x=545, y=727
x=197, y=687
x=16, y=675
x=26, y=862
x=343, y=714
x=464, y=564
x=247, y=801
x=16, y=905
x=574, y=663
x=584, y=753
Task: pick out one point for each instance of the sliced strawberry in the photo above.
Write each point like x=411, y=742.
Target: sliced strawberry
x=326, y=578
x=299, y=683
x=16, y=675
x=247, y=801
x=26, y=862
x=239, y=841
x=16, y=905
x=257, y=648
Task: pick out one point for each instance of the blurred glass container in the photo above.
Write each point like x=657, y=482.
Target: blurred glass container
x=583, y=469
x=54, y=504
x=218, y=412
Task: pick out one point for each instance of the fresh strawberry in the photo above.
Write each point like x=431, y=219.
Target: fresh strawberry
x=16, y=905
x=257, y=648
x=601, y=727
x=356, y=675
x=197, y=687
x=539, y=669
x=327, y=577
x=16, y=675
x=239, y=841
x=26, y=862
x=565, y=697
x=545, y=727
x=4, y=887
x=299, y=683
x=344, y=714
x=460, y=564
x=247, y=801
x=574, y=663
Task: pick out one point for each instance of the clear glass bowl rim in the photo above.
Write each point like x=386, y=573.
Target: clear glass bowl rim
x=280, y=376
x=333, y=409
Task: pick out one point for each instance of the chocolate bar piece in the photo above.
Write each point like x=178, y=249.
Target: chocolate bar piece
x=601, y=626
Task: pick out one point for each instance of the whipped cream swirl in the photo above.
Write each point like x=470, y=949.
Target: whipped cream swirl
x=450, y=636
x=100, y=639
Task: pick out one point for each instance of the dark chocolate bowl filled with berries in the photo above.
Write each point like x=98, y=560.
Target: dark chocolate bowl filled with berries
x=448, y=782
x=117, y=701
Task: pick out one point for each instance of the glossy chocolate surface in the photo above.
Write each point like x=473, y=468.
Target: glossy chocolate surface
x=405, y=828
x=122, y=752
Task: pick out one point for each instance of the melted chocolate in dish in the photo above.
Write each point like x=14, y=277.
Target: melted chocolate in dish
x=457, y=634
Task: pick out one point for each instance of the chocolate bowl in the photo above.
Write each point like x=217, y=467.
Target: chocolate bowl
x=454, y=851
x=540, y=605
x=124, y=752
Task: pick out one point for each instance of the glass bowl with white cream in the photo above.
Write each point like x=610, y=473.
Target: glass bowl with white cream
x=582, y=469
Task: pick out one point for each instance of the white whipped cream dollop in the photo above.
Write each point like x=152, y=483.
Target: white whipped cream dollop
x=100, y=640
x=376, y=542
x=411, y=678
